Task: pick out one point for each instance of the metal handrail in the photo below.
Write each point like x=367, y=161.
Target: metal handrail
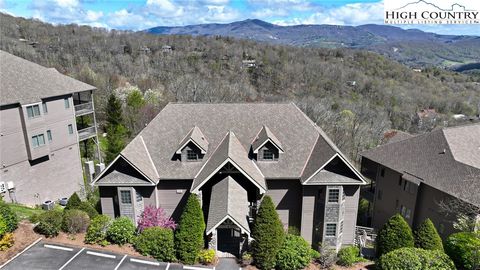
x=84, y=106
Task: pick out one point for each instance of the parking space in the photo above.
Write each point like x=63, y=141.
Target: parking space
x=52, y=256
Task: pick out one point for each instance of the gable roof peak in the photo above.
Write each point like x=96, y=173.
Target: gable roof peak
x=266, y=135
x=196, y=137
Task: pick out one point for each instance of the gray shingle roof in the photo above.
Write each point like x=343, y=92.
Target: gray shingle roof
x=117, y=178
x=196, y=137
x=264, y=136
x=327, y=177
x=229, y=149
x=321, y=153
x=139, y=156
x=25, y=82
x=228, y=199
x=446, y=159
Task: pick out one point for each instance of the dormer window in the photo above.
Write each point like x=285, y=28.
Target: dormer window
x=192, y=155
x=266, y=145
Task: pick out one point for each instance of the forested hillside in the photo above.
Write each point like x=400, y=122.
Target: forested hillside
x=353, y=95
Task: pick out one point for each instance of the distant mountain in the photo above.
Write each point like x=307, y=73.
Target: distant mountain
x=412, y=47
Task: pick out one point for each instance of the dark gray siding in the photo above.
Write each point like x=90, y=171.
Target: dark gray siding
x=287, y=197
x=109, y=201
x=172, y=196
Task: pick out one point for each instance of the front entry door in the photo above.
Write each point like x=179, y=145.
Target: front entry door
x=229, y=240
x=125, y=202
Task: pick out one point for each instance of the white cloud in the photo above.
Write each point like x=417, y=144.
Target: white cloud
x=269, y=12
x=67, y=3
x=124, y=19
x=92, y=16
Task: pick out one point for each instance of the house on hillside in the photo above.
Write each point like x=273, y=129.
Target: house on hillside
x=39, y=136
x=426, y=119
x=232, y=155
x=416, y=175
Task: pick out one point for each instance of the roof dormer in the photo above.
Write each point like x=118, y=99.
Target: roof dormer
x=266, y=145
x=193, y=146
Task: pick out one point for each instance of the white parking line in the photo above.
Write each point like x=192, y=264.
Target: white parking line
x=58, y=247
x=71, y=259
x=168, y=266
x=197, y=268
x=101, y=255
x=144, y=262
x=20, y=253
x=121, y=261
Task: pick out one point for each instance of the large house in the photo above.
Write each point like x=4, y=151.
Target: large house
x=39, y=140
x=232, y=155
x=416, y=175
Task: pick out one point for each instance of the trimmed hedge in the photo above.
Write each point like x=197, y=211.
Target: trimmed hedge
x=49, y=223
x=73, y=202
x=268, y=235
x=394, y=234
x=97, y=230
x=9, y=217
x=427, y=237
x=87, y=208
x=189, y=234
x=75, y=221
x=294, y=254
x=415, y=259
x=464, y=249
x=121, y=231
x=156, y=242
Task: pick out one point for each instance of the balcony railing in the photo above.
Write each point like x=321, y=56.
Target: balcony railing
x=83, y=108
x=86, y=133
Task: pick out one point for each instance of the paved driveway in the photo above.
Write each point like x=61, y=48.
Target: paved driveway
x=59, y=257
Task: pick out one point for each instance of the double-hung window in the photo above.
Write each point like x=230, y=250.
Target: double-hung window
x=333, y=195
x=33, y=111
x=192, y=155
x=331, y=229
x=45, y=108
x=49, y=135
x=268, y=154
x=67, y=103
x=125, y=196
x=70, y=129
x=38, y=140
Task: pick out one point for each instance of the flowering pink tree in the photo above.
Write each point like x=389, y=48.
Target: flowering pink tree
x=155, y=217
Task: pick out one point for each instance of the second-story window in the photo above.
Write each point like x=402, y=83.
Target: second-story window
x=45, y=108
x=333, y=195
x=49, y=135
x=331, y=229
x=192, y=155
x=33, y=111
x=38, y=140
x=268, y=154
x=67, y=103
x=70, y=129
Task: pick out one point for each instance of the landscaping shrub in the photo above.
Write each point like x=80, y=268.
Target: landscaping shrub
x=73, y=202
x=97, y=230
x=156, y=242
x=268, y=235
x=121, y=231
x=9, y=217
x=207, y=256
x=348, y=256
x=415, y=259
x=3, y=227
x=464, y=249
x=393, y=235
x=427, y=237
x=87, y=208
x=49, y=223
x=75, y=221
x=326, y=256
x=293, y=230
x=294, y=254
x=189, y=234
x=155, y=217
x=6, y=241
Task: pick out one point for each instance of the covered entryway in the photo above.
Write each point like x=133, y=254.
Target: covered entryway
x=230, y=241
x=227, y=221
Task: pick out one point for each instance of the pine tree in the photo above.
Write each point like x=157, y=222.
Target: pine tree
x=189, y=234
x=268, y=235
x=394, y=234
x=427, y=237
x=73, y=202
x=116, y=130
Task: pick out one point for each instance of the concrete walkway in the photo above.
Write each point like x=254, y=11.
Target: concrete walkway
x=228, y=264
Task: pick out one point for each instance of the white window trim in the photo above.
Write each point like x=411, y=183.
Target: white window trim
x=336, y=229
x=339, y=194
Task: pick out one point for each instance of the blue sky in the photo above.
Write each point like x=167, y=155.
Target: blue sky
x=142, y=14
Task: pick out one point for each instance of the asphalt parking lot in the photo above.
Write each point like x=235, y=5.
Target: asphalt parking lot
x=59, y=257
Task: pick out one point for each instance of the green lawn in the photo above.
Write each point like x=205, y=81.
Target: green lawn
x=24, y=212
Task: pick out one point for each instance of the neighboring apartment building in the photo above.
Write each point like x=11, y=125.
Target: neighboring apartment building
x=415, y=174
x=231, y=155
x=39, y=141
